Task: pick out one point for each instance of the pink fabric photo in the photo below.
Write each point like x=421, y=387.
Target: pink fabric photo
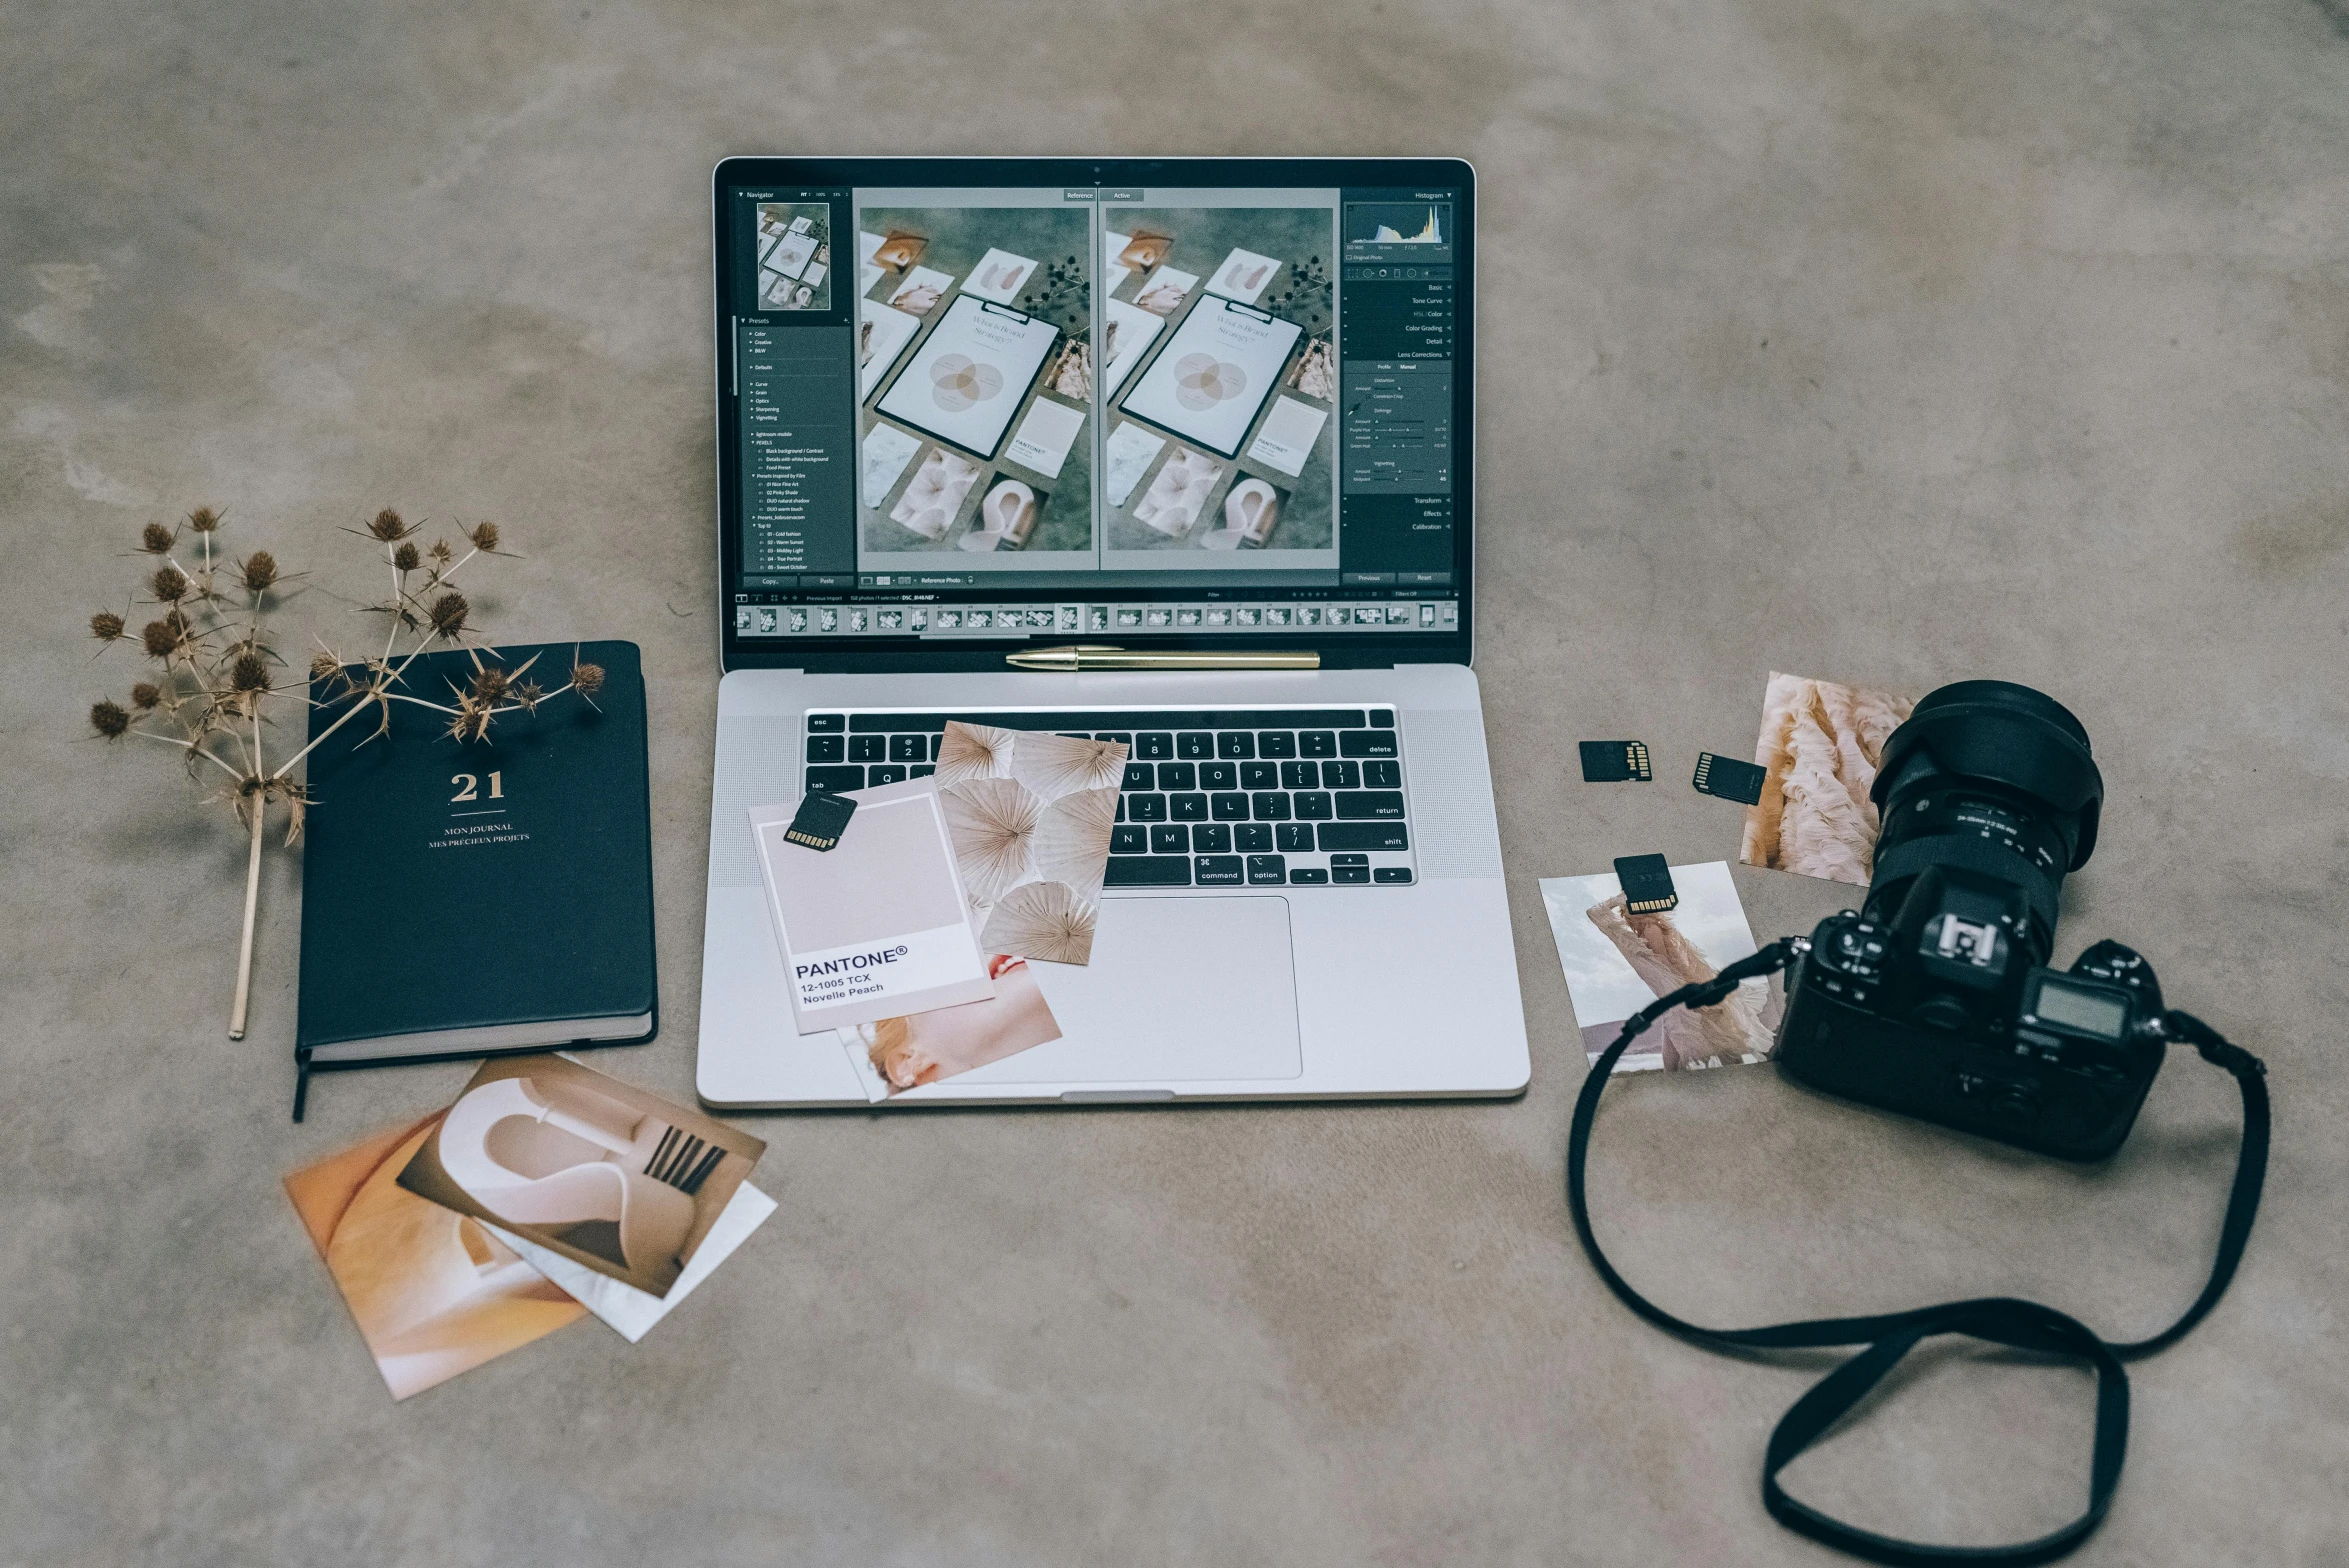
x=1820, y=744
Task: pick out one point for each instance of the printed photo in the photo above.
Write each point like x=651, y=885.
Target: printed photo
x=1223, y=342
x=1175, y=498
x=1030, y=816
x=1006, y=517
x=887, y=451
x=1126, y=457
x=1251, y=511
x=1617, y=962
x=996, y=363
x=898, y=1054
x=918, y=293
x=630, y=1312
x=1168, y=287
x=433, y=1292
x=1143, y=249
x=794, y=242
x=1128, y=331
x=933, y=498
x=1113, y=271
x=882, y=335
x=898, y=250
x=999, y=276
x=592, y=1168
x=1820, y=745
x=1243, y=275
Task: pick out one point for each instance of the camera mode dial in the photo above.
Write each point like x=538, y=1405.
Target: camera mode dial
x=1849, y=955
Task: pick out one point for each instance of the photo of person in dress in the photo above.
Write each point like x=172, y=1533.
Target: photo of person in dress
x=1617, y=962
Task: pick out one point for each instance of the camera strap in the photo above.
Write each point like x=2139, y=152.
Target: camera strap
x=1888, y=1337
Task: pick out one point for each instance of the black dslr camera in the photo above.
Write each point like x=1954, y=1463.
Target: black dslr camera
x=1935, y=1000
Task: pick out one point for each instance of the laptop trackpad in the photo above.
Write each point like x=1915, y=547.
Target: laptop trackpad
x=1180, y=990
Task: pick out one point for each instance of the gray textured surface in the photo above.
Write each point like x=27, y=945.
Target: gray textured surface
x=1883, y=343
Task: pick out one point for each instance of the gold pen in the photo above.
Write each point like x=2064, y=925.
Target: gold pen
x=1093, y=656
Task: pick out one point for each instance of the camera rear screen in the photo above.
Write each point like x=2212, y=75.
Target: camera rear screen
x=2090, y=1012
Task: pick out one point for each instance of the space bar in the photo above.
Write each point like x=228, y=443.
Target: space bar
x=1149, y=871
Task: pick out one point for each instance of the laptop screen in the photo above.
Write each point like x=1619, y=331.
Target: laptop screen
x=971, y=404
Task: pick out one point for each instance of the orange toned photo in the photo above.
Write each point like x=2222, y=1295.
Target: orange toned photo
x=434, y=1293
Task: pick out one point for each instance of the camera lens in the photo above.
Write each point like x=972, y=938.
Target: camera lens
x=1990, y=778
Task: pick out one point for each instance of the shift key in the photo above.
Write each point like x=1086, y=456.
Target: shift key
x=1356, y=805
x=1359, y=835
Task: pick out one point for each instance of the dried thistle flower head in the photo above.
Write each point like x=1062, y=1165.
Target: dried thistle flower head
x=108, y=718
x=443, y=552
x=155, y=538
x=250, y=672
x=106, y=626
x=490, y=683
x=259, y=571
x=529, y=694
x=324, y=666
x=389, y=526
x=484, y=536
x=407, y=557
x=587, y=678
x=169, y=583
x=448, y=613
x=145, y=695
x=204, y=519
x=159, y=638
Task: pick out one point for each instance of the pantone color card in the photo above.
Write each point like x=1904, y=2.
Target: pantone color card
x=876, y=926
x=1286, y=438
x=1044, y=437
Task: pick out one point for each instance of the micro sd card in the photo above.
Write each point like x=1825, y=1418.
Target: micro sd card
x=820, y=820
x=1613, y=761
x=1729, y=778
x=1647, y=884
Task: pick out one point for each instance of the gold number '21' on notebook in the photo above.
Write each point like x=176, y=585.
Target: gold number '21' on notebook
x=874, y=927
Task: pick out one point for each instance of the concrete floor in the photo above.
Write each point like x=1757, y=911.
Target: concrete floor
x=1883, y=343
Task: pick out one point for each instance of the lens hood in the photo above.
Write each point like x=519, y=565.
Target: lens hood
x=2000, y=733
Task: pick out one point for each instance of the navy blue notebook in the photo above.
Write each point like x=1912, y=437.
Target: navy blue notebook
x=465, y=898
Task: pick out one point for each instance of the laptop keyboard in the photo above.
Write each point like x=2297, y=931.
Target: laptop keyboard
x=1227, y=797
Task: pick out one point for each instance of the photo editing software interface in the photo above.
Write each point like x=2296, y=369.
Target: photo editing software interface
x=969, y=413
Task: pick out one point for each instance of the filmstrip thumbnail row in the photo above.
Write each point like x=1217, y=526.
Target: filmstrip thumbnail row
x=926, y=620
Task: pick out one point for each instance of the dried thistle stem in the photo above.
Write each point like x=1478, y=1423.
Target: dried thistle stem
x=189, y=746
x=236, y=1012
x=210, y=645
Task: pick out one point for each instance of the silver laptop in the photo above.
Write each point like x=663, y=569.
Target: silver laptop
x=990, y=429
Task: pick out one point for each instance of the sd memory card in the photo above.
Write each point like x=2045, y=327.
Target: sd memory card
x=820, y=820
x=1729, y=778
x=1647, y=884
x=1614, y=761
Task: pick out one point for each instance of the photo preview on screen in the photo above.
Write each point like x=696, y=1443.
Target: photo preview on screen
x=1218, y=448
x=1041, y=380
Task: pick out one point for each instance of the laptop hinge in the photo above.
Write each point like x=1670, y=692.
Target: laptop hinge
x=1099, y=656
